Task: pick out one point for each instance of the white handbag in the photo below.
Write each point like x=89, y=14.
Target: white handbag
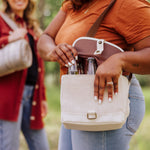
x=16, y=55
x=80, y=111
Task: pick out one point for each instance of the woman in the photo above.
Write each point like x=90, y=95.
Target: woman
x=22, y=98
x=127, y=26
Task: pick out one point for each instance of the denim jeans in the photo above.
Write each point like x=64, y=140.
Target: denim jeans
x=9, y=131
x=108, y=140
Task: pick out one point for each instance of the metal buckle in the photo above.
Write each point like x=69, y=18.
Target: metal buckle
x=100, y=47
x=91, y=115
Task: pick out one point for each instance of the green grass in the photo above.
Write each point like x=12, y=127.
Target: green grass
x=146, y=92
x=140, y=140
x=52, y=121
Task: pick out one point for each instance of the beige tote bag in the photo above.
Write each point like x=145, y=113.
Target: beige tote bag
x=80, y=111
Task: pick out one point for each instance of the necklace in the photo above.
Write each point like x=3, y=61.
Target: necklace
x=90, y=6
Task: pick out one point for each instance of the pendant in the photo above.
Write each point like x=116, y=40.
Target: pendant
x=86, y=11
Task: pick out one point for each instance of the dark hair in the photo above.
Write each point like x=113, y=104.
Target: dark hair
x=28, y=13
x=77, y=4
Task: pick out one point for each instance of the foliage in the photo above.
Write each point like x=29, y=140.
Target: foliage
x=47, y=9
x=144, y=80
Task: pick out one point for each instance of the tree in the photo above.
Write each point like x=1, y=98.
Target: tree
x=47, y=9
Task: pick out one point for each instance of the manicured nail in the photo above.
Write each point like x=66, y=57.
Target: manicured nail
x=73, y=62
x=109, y=99
x=66, y=65
x=69, y=64
x=99, y=101
x=116, y=93
x=95, y=98
x=76, y=57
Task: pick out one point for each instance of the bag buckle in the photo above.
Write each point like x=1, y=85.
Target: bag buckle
x=100, y=47
x=91, y=115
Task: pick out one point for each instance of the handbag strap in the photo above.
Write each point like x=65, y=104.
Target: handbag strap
x=9, y=21
x=92, y=31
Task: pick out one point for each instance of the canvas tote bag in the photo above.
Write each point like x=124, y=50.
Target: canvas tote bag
x=16, y=55
x=79, y=110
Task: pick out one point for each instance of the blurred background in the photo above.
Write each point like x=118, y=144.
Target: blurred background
x=46, y=11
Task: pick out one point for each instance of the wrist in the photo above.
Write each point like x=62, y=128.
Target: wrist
x=10, y=39
x=120, y=57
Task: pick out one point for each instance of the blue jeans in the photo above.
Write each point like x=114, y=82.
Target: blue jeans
x=108, y=140
x=9, y=131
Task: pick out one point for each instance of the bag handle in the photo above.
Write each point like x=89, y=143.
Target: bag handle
x=9, y=21
x=92, y=31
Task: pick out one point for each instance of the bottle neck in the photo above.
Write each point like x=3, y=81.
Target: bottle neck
x=73, y=69
x=91, y=66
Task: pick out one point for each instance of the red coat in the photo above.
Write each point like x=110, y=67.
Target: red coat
x=12, y=85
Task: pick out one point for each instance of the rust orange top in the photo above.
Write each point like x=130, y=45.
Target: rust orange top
x=126, y=23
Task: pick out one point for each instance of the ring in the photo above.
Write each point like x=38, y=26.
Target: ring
x=111, y=83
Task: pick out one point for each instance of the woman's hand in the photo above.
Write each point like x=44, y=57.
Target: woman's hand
x=108, y=72
x=17, y=34
x=107, y=75
x=49, y=50
x=44, y=108
x=64, y=54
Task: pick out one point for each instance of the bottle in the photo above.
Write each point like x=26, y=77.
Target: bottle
x=73, y=69
x=91, y=69
x=80, y=67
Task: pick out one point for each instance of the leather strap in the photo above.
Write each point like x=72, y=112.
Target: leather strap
x=92, y=31
x=9, y=21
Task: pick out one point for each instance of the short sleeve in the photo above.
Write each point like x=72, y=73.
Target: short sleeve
x=133, y=20
x=66, y=6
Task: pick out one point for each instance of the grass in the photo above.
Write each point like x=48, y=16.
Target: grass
x=140, y=140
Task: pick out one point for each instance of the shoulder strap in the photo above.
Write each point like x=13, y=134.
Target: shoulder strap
x=9, y=21
x=92, y=31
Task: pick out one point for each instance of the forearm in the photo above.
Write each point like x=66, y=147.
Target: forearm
x=109, y=71
x=136, y=62
x=45, y=45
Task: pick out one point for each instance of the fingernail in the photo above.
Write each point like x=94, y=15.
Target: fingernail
x=76, y=57
x=66, y=65
x=116, y=93
x=69, y=64
x=99, y=101
x=109, y=99
x=95, y=98
x=73, y=62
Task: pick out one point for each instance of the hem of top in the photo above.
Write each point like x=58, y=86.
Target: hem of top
x=8, y=118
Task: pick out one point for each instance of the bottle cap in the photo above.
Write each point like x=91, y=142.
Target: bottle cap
x=90, y=58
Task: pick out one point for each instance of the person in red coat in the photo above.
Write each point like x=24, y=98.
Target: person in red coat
x=22, y=93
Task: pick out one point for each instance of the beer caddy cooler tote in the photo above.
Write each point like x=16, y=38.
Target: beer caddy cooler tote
x=79, y=110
